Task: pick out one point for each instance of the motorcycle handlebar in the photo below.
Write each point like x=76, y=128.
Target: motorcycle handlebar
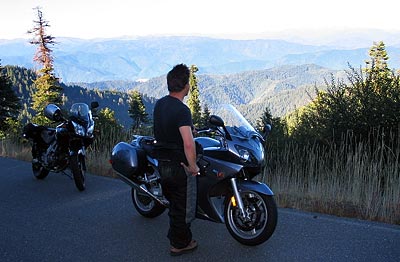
x=203, y=130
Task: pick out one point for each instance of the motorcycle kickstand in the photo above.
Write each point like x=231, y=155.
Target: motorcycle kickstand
x=68, y=175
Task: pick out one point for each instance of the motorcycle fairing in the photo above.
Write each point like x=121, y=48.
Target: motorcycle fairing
x=212, y=211
x=214, y=180
x=244, y=185
x=219, y=169
x=209, y=205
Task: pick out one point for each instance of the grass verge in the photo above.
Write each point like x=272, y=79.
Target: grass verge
x=359, y=181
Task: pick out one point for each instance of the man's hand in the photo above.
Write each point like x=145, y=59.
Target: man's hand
x=194, y=170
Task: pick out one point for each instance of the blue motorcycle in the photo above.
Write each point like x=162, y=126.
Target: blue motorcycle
x=232, y=155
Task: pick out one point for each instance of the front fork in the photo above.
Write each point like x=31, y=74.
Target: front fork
x=238, y=199
x=80, y=153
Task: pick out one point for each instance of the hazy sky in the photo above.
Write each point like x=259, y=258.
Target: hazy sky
x=114, y=18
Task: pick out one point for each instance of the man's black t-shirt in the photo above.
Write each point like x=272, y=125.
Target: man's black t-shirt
x=169, y=115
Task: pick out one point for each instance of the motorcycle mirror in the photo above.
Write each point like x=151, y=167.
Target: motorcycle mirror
x=216, y=120
x=94, y=104
x=266, y=130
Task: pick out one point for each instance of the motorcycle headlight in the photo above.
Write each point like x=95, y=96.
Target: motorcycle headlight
x=79, y=130
x=243, y=153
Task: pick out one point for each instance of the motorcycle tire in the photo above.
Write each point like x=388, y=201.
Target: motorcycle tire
x=39, y=171
x=260, y=224
x=78, y=172
x=145, y=205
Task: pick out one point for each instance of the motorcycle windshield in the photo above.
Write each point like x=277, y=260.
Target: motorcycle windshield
x=80, y=112
x=234, y=121
x=245, y=137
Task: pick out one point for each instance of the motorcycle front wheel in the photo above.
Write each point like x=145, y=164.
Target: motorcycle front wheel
x=259, y=223
x=145, y=205
x=77, y=168
x=39, y=171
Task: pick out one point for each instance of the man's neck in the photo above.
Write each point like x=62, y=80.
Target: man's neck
x=178, y=95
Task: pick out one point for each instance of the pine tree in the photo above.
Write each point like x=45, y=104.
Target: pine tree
x=9, y=104
x=194, y=97
x=48, y=88
x=370, y=103
x=381, y=91
x=378, y=60
x=205, y=115
x=137, y=109
x=266, y=118
x=107, y=125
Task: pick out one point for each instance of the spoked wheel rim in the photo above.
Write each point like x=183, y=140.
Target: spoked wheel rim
x=256, y=220
x=39, y=171
x=143, y=201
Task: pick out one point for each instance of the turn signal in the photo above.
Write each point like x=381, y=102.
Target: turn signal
x=233, y=200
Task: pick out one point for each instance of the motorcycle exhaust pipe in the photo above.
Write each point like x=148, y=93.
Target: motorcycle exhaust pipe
x=142, y=188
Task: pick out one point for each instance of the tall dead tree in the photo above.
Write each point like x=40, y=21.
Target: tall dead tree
x=48, y=88
x=43, y=41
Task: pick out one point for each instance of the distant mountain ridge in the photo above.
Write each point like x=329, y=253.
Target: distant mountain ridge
x=78, y=60
x=282, y=89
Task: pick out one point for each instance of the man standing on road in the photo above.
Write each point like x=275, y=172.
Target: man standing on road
x=177, y=159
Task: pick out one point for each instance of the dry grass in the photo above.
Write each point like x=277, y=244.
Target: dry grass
x=11, y=149
x=361, y=181
x=99, y=153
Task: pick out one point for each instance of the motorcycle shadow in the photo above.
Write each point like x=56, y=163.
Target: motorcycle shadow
x=214, y=243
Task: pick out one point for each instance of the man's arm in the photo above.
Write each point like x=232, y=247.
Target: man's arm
x=189, y=148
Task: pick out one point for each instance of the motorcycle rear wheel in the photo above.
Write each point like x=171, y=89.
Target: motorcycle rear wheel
x=145, y=205
x=78, y=172
x=260, y=223
x=39, y=171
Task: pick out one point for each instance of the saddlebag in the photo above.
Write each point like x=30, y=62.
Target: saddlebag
x=127, y=159
x=32, y=131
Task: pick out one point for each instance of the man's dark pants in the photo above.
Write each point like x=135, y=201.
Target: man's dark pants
x=180, y=190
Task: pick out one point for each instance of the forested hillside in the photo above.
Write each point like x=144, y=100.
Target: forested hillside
x=282, y=89
x=22, y=80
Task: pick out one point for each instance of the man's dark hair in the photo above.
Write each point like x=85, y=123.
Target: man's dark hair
x=178, y=77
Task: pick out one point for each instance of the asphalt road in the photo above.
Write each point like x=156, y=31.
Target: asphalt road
x=51, y=220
